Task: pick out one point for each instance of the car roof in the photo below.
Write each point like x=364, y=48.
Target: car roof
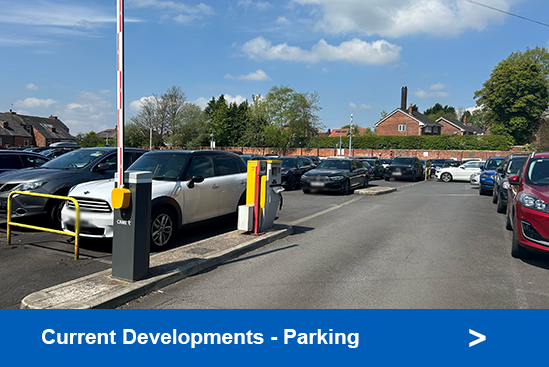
x=20, y=152
x=495, y=158
x=541, y=155
x=192, y=152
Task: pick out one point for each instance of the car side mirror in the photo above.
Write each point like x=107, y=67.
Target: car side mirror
x=193, y=180
x=482, y=168
x=462, y=167
x=514, y=180
x=102, y=167
x=499, y=170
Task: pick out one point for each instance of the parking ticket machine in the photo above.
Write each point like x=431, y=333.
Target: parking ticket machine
x=263, y=196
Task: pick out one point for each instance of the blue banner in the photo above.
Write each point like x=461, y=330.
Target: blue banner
x=272, y=337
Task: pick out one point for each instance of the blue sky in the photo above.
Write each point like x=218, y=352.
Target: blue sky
x=59, y=57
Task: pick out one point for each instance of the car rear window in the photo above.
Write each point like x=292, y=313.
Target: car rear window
x=514, y=165
x=162, y=166
x=493, y=163
x=403, y=161
x=538, y=172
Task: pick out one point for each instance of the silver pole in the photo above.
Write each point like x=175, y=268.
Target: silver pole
x=350, y=135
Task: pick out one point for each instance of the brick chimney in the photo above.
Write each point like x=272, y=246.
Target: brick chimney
x=465, y=119
x=13, y=113
x=410, y=109
x=53, y=117
x=403, y=98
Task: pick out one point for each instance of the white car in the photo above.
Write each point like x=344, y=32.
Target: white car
x=187, y=187
x=474, y=179
x=461, y=173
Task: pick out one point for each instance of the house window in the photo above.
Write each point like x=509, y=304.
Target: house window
x=427, y=129
x=402, y=127
x=26, y=142
x=435, y=130
x=48, y=143
x=29, y=129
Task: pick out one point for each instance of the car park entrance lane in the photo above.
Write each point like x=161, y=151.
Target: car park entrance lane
x=429, y=245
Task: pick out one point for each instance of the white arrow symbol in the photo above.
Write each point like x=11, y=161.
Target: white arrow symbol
x=480, y=337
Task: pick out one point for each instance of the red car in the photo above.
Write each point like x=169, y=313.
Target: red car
x=528, y=206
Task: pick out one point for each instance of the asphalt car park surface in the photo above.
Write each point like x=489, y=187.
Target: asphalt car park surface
x=429, y=245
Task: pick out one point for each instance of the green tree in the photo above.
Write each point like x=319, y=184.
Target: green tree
x=255, y=124
x=355, y=131
x=515, y=96
x=191, y=128
x=89, y=140
x=438, y=111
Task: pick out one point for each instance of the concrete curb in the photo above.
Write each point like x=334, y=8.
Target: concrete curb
x=375, y=191
x=100, y=290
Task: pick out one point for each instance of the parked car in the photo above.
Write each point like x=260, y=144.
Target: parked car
x=385, y=161
x=11, y=160
x=409, y=168
x=65, y=144
x=438, y=163
x=291, y=170
x=187, y=187
x=377, y=166
x=315, y=159
x=461, y=173
x=510, y=166
x=486, y=182
x=252, y=157
x=56, y=177
x=528, y=207
x=474, y=178
x=55, y=152
x=35, y=149
x=336, y=174
x=371, y=170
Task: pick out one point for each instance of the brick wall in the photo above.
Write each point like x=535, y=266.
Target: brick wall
x=390, y=125
x=448, y=129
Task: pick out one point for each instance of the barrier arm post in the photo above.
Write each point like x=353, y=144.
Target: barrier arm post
x=76, y=233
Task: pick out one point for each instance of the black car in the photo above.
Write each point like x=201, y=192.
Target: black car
x=14, y=160
x=252, y=157
x=371, y=170
x=377, y=165
x=56, y=177
x=510, y=166
x=438, y=163
x=291, y=170
x=315, y=159
x=336, y=174
x=55, y=152
x=409, y=168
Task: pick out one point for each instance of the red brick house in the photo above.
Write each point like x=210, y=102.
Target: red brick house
x=456, y=127
x=31, y=131
x=406, y=122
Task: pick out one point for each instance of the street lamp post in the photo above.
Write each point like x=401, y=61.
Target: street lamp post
x=339, y=150
x=212, y=142
x=350, y=134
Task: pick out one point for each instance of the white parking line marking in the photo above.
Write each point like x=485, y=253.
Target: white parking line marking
x=324, y=211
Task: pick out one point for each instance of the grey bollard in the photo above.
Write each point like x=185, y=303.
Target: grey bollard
x=131, y=232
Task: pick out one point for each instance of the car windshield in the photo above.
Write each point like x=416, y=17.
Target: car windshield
x=371, y=161
x=493, y=163
x=75, y=159
x=514, y=166
x=385, y=161
x=333, y=164
x=406, y=161
x=438, y=161
x=162, y=166
x=288, y=162
x=538, y=172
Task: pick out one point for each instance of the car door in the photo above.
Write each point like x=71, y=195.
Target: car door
x=357, y=173
x=231, y=182
x=464, y=171
x=201, y=201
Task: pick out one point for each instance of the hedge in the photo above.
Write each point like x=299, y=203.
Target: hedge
x=422, y=142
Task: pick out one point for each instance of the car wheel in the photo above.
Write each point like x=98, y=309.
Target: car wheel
x=365, y=182
x=446, y=177
x=162, y=229
x=495, y=196
x=517, y=251
x=481, y=191
x=305, y=191
x=346, y=188
x=292, y=182
x=508, y=222
x=387, y=178
x=501, y=207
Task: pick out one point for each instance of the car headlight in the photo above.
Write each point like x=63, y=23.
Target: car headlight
x=506, y=185
x=284, y=172
x=533, y=202
x=29, y=186
x=337, y=178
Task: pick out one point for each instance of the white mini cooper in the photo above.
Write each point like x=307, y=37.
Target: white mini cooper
x=187, y=187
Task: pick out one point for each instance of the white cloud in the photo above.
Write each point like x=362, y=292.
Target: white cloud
x=260, y=5
x=423, y=94
x=352, y=106
x=31, y=86
x=364, y=106
x=258, y=75
x=90, y=111
x=186, y=13
x=354, y=51
x=135, y=106
x=34, y=103
x=203, y=102
x=396, y=18
x=438, y=86
x=283, y=20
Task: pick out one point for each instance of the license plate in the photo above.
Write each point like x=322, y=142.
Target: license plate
x=397, y=173
x=317, y=184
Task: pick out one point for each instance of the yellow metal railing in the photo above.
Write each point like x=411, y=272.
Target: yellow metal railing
x=74, y=234
x=428, y=174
